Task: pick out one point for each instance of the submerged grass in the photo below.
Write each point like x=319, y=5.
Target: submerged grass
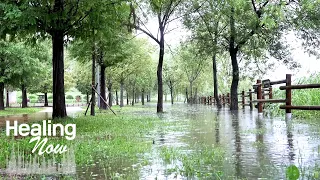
x=299, y=97
x=105, y=138
x=15, y=111
x=202, y=162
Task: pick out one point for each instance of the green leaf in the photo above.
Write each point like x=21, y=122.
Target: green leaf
x=292, y=172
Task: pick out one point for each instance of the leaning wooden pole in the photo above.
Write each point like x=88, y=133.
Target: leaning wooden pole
x=103, y=100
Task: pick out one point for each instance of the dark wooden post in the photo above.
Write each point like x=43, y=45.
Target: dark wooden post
x=250, y=98
x=270, y=93
x=259, y=96
x=288, y=95
x=243, y=99
x=228, y=98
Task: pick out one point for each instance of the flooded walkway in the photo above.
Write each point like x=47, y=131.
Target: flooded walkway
x=254, y=147
x=44, y=114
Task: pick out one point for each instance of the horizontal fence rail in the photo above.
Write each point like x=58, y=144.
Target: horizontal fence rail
x=264, y=94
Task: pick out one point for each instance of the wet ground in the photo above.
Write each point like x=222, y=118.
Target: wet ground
x=46, y=113
x=255, y=147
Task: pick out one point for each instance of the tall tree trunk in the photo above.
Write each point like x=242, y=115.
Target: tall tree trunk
x=87, y=97
x=121, y=93
x=142, y=97
x=59, y=104
x=7, y=98
x=171, y=91
x=214, y=67
x=2, y=96
x=186, y=96
x=110, y=92
x=117, y=100
x=191, y=95
x=46, y=104
x=136, y=97
x=159, y=72
x=24, y=96
x=147, y=98
x=233, y=50
x=127, y=98
x=195, y=96
x=133, y=96
x=215, y=81
x=93, y=93
x=102, y=97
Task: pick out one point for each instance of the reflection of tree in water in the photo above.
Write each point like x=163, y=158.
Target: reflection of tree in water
x=19, y=164
x=217, y=127
x=290, y=141
x=236, y=129
x=260, y=140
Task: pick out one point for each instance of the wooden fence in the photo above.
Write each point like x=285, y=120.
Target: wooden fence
x=264, y=94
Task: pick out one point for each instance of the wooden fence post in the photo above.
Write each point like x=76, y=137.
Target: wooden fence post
x=250, y=98
x=270, y=93
x=243, y=100
x=288, y=96
x=259, y=97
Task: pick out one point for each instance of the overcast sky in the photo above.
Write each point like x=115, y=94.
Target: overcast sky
x=309, y=64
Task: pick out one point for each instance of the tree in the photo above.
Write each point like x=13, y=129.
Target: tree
x=205, y=26
x=82, y=76
x=192, y=63
x=135, y=54
x=172, y=76
x=163, y=10
x=60, y=19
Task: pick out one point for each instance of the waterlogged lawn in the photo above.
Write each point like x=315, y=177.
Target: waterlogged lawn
x=15, y=111
x=104, y=140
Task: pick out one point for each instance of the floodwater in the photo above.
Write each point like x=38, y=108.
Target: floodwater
x=39, y=116
x=255, y=147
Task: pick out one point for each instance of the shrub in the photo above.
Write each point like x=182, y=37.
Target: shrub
x=50, y=97
x=33, y=100
x=32, y=97
x=69, y=97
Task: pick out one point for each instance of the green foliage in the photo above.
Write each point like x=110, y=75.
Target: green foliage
x=32, y=97
x=292, y=172
x=69, y=96
x=299, y=97
x=15, y=111
x=82, y=77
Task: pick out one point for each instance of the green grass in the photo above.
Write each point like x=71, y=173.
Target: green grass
x=15, y=111
x=104, y=138
x=299, y=97
x=203, y=162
